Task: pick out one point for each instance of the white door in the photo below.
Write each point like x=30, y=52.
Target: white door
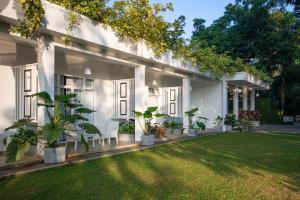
x=123, y=98
x=26, y=83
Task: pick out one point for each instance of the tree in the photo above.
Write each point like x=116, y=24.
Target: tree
x=263, y=33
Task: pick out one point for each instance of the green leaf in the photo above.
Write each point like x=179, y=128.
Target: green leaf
x=151, y=109
x=84, y=111
x=159, y=115
x=74, y=118
x=4, y=141
x=21, y=123
x=51, y=134
x=138, y=114
x=45, y=97
x=73, y=105
x=89, y=128
x=15, y=151
x=84, y=142
x=65, y=98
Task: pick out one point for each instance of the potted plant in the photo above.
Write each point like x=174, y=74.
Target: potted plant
x=218, y=123
x=245, y=125
x=201, y=124
x=59, y=122
x=230, y=122
x=126, y=131
x=192, y=131
x=147, y=138
x=252, y=116
x=173, y=127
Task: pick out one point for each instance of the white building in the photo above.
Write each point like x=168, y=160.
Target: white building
x=109, y=76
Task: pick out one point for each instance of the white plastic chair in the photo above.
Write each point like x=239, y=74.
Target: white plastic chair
x=73, y=136
x=111, y=132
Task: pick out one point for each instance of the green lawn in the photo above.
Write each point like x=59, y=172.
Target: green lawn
x=226, y=166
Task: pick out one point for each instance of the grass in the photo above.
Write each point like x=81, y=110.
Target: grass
x=226, y=166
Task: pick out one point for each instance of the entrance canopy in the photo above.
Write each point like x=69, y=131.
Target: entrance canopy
x=248, y=80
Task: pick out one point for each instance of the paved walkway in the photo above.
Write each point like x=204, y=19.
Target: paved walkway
x=280, y=128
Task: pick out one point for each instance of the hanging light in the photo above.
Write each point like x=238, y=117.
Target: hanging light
x=257, y=94
x=154, y=83
x=87, y=71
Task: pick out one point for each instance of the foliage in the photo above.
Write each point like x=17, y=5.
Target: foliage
x=201, y=123
x=147, y=117
x=33, y=18
x=191, y=114
x=218, y=121
x=138, y=20
x=250, y=115
x=29, y=133
x=127, y=127
x=245, y=125
x=230, y=120
x=73, y=20
x=96, y=10
x=172, y=125
x=247, y=28
x=201, y=126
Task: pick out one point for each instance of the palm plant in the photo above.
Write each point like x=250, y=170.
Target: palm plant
x=147, y=116
x=58, y=122
x=191, y=114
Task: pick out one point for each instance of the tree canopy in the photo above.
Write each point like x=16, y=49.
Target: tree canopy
x=264, y=34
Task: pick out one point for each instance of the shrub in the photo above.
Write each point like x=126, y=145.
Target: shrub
x=250, y=115
x=127, y=127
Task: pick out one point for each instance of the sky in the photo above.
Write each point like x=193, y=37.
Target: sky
x=206, y=9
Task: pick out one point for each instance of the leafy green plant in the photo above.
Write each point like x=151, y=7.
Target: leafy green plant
x=230, y=120
x=73, y=20
x=147, y=117
x=172, y=125
x=245, y=125
x=218, y=121
x=127, y=127
x=201, y=123
x=191, y=114
x=59, y=122
x=33, y=15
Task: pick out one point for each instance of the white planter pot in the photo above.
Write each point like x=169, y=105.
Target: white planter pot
x=228, y=128
x=55, y=155
x=169, y=131
x=256, y=123
x=177, y=132
x=192, y=132
x=32, y=150
x=126, y=137
x=218, y=128
x=147, y=140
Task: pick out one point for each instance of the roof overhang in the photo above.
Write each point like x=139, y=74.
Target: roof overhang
x=245, y=79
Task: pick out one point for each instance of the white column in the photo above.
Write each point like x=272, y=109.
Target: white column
x=186, y=101
x=252, y=99
x=245, y=98
x=224, y=102
x=46, y=70
x=236, y=101
x=140, y=98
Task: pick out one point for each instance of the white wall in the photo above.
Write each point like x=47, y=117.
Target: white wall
x=8, y=97
x=207, y=96
x=103, y=75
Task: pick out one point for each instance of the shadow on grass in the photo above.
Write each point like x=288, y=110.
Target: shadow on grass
x=172, y=171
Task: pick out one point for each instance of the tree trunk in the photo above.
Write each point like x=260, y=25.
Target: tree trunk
x=282, y=92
